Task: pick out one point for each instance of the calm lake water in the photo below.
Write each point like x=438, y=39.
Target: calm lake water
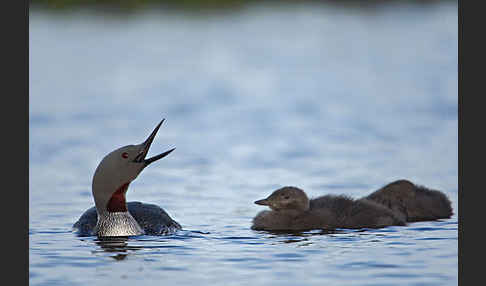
x=335, y=100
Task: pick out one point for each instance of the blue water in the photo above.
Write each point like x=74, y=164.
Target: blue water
x=334, y=100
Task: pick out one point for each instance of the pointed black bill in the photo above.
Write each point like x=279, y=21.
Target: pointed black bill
x=263, y=202
x=146, y=146
x=155, y=158
x=150, y=139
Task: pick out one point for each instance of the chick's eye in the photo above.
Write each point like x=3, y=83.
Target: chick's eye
x=125, y=155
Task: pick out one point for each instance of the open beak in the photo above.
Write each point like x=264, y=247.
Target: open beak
x=263, y=202
x=145, y=147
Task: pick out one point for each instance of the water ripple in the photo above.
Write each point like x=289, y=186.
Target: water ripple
x=250, y=109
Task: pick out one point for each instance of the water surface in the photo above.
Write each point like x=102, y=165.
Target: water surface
x=330, y=99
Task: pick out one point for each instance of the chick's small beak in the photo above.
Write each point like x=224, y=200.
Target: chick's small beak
x=145, y=147
x=263, y=202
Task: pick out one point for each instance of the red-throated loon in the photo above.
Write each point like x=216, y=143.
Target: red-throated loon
x=394, y=204
x=112, y=215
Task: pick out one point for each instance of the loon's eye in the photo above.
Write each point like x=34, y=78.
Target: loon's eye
x=125, y=155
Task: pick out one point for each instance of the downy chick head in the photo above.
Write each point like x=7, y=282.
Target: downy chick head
x=286, y=198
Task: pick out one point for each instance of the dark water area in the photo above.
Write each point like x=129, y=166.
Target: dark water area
x=333, y=100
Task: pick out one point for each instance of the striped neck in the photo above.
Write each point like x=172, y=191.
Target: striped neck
x=117, y=224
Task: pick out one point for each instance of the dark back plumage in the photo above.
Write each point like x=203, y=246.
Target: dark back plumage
x=152, y=218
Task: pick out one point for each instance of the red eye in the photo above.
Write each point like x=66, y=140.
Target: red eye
x=125, y=155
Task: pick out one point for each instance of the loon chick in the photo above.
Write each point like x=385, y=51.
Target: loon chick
x=412, y=202
x=394, y=204
x=112, y=215
x=292, y=210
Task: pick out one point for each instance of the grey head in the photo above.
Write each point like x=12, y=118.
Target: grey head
x=286, y=199
x=117, y=170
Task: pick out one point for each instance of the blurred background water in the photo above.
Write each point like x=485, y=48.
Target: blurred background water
x=331, y=97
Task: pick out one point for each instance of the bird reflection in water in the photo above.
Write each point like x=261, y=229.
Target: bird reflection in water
x=300, y=236
x=116, y=245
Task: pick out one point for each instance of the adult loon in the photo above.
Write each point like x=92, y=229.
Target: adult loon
x=394, y=204
x=112, y=215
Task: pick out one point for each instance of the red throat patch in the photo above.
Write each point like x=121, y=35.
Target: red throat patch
x=117, y=202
